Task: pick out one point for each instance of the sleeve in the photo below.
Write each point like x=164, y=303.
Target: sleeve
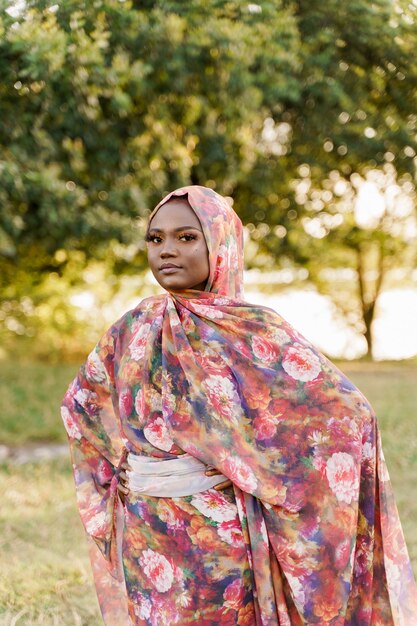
x=96, y=445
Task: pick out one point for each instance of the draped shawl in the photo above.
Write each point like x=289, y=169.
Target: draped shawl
x=239, y=388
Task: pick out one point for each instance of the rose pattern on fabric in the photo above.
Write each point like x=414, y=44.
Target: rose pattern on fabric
x=214, y=505
x=156, y=432
x=222, y=396
x=301, y=363
x=343, y=476
x=158, y=570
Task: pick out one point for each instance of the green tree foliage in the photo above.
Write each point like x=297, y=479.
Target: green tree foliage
x=105, y=106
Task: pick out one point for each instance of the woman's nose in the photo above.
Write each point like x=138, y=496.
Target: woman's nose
x=168, y=248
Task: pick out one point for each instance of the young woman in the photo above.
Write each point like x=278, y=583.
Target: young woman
x=296, y=523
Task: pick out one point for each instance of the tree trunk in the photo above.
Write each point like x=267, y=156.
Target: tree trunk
x=368, y=296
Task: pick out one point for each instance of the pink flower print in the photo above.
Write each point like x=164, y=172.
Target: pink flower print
x=233, y=595
x=301, y=363
x=94, y=370
x=97, y=523
x=125, y=403
x=104, y=472
x=265, y=426
x=140, y=405
x=223, y=396
x=265, y=350
x=240, y=473
x=138, y=345
x=88, y=401
x=157, y=569
x=156, y=432
x=214, y=505
x=163, y=611
x=210, y=312
x=142, y=606
x=70, y=424
x=343, y=476
x=231, y=532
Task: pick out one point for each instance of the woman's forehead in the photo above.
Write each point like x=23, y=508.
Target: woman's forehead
x=175, y=212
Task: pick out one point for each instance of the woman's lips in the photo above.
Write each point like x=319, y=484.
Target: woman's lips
x=169, y=269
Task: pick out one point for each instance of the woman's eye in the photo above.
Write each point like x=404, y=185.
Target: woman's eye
x=154, y=239
x=188, y=237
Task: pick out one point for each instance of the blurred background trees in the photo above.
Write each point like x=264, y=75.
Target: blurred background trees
x=292, y=109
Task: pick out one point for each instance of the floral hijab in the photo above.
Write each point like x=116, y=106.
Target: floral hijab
x=237, y=387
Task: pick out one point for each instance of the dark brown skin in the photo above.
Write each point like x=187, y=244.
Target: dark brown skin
x=175, y=238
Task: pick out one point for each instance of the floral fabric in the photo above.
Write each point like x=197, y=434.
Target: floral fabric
x=309, y=534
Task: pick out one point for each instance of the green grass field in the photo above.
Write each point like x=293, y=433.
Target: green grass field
x=45, y=576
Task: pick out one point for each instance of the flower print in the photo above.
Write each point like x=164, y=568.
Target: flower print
x=343, y=476
x=222, y=301
x=279, y=336
x=104, y=472
x=246, y=616
x=70, y=424
x=265, y=426
x=301, y=363
x=208, y=311
x=88, y=401
x=256, y=394
x=328, y=605
x=240, y=473
x=233, y=253
x=154, y=399
x=156, y=432
x=395, y=547
x=233, y=595
x=243, y=348
x=95, y=371
x=342, y=555
x=140, y=404
x=201, y=534
x=157, y=569
x=368, y=451
x=393, y=577
x=163, y=611
x=318, y=438
x=264, y=350
x=222, y=395
x=142, y=606
x=125, y=403
x=221, y=262
x=214, y=505
x=170, y=514
x=231, y=532
x=184, y=599
x=297, y=589
x=96, y=523
x=138, y=346
x=319, y=463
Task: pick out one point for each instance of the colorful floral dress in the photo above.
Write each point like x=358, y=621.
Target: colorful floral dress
x=309, y=533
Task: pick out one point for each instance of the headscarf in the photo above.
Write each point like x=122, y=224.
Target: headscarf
x=234, y=385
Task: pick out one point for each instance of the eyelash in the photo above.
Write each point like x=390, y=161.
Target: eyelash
x=152, y=238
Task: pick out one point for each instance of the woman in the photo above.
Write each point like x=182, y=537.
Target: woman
x=197, y=378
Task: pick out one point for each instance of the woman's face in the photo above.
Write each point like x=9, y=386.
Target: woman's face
x=177, y=250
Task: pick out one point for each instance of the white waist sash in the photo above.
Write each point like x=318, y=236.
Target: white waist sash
x=169, y=478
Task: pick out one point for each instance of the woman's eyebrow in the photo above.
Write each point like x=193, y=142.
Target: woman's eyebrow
x=175, y=230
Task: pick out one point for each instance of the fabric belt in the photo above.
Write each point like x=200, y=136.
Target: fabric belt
x=169, y=478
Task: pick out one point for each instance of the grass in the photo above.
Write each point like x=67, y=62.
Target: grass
x=30, y=397
x=45, y=576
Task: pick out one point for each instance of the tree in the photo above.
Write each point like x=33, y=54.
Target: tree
x=106, y=106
